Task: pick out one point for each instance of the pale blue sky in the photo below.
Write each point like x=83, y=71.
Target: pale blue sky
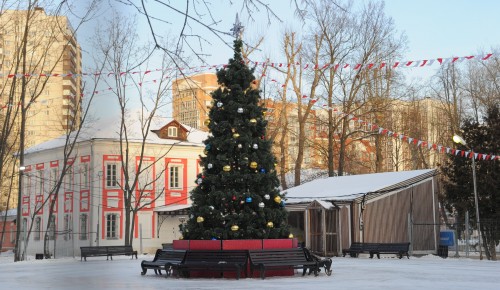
x=434, y=28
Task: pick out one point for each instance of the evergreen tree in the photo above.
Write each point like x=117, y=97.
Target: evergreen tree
x=458, y=182
x=237, y=195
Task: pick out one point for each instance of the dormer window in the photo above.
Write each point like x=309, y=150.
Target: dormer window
x=172, y=131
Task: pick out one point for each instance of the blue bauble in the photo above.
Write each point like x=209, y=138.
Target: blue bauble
x=248, y=199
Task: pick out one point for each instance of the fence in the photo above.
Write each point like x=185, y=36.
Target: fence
x=466, y=237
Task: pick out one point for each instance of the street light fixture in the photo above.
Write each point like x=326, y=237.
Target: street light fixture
x=459, y=140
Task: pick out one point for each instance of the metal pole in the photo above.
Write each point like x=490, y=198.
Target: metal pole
x=467, y=236
x=477, y=203
x=140, y=238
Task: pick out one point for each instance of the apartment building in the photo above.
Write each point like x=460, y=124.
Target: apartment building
x=192, y=99
x=40, y=59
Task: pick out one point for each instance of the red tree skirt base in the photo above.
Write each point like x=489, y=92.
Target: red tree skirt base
x=237, y=245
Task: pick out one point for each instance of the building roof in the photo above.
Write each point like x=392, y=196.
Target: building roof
x=108, y=129
x=172, y=208
x=348, y=188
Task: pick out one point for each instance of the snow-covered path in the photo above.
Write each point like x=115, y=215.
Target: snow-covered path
x=424, y=273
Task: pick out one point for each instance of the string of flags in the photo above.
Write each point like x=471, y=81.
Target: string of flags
x=267, y=63
x=383, y=131
x=312, y=100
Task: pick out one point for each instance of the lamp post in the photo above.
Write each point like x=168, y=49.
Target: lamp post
x=459, y=140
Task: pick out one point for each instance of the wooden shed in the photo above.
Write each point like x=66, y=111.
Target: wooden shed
x=329, y=214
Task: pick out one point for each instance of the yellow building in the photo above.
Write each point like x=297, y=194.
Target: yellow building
x=40, y=59
x=192, y=99
x=51, y=49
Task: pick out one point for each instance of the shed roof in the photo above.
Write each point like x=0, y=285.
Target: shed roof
x=348, y=188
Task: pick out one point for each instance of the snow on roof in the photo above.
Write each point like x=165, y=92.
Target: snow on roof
x=348, y=187
x=174, y=207
x=109, y=129
x=10, y=212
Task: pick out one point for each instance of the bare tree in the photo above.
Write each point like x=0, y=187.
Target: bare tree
x=34, y=38
x=125, y=54
x=364, y=39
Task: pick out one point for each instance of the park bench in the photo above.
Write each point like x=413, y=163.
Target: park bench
x=212, y=261
x=163, y=260
x=399, y=249
x=357, y=248
x=293, y=258
x=107, y=251
x=325, y=263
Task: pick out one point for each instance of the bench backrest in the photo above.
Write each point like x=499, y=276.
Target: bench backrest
x=170, y=255
x=395, y=247
x=228, y=256
x=96, y=250
x=356, y=246
x=370, y=246
x=296, y=255
x=120, y=249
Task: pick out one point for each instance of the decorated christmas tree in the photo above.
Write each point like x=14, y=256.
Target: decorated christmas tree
x=237, y=195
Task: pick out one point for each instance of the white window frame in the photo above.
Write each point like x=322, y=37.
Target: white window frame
x=111, y=173
x=172, y=131
x=83, y=226
x=67, y=227
x=84, y=171
x=37, y=228
x=112, y=221
x=175, y=177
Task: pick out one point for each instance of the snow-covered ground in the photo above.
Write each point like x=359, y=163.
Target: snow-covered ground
x=425, y=273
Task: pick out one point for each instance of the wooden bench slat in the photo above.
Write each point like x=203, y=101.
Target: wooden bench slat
x=398, y=249
x=217, y=261
x=107, y=251
x=163, y=260
x=294, y=258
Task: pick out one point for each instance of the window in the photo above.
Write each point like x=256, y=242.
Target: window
x=40, y=182
x=172, y=131
x=38, y=228
x=111, y=226
x=69, y=179
x=52, y=228
x=174, y=177
x=85, y=176
x=84, y=201
x=24, y=229
x=83, y=226
x=146, y=177
x=67, y=227
x=111, y=180
x=53, y=177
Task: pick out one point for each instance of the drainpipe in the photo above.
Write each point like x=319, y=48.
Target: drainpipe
x=91, y=197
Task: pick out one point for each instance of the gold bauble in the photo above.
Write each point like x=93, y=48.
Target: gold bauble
x=205, y=151
x=290, y=236
x=253, y=164
x=277, y=199
x=226, y=168
x=207, y=122
x=200, y=219
x=236, y=135
x=234, y=228
x=253, y=121
x=270, y=224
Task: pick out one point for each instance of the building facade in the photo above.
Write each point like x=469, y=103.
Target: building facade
x=40, y=59
x=90, y=204
x=52, y=50
x=192, y=99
